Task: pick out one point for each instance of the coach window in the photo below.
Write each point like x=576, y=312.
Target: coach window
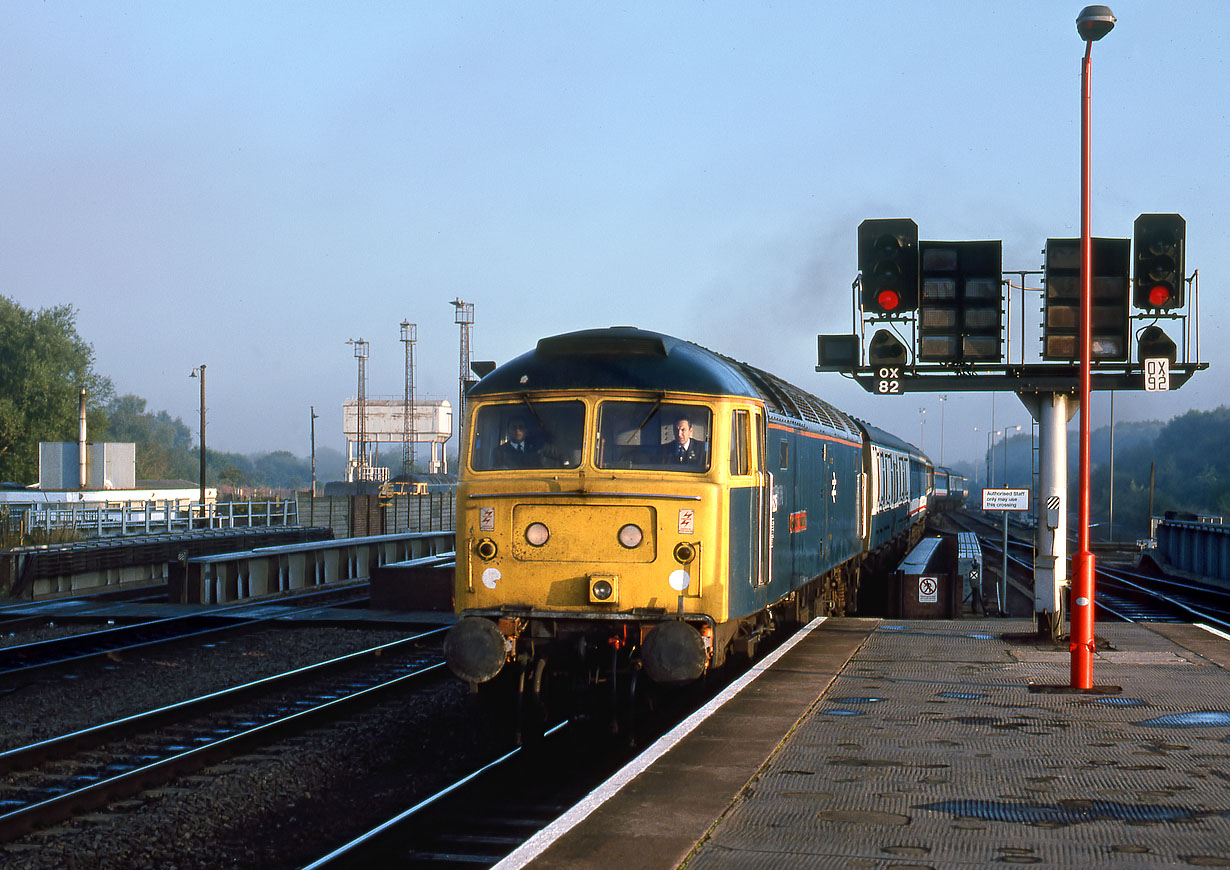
x=529, y=435
x=740, y=443
x=654, y=435
x=783, y=454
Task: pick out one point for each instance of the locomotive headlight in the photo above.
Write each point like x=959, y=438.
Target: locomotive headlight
x=486, y=549
x=603, y=588
x=679, y=580
x=684, y=552
x=631, y=536
x=537, y=534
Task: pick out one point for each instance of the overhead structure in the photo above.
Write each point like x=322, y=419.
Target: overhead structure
x=358, y=465
x=409, y=334
x=384, y=422
x=935, y=316
x=464, y=317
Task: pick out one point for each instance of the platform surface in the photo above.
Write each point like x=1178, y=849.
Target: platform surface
x=913, y=744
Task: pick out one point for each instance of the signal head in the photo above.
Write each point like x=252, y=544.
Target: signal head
x=1158, y=262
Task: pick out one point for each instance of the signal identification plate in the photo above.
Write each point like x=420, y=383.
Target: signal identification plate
x=1157, y=374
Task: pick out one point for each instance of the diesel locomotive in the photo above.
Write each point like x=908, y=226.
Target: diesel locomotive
x=630, y=502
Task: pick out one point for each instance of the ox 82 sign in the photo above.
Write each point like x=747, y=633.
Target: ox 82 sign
x=888, y=379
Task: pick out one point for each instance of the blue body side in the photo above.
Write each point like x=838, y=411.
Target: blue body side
x=815, y=523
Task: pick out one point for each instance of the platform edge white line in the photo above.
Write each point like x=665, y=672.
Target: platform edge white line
x=537, y=844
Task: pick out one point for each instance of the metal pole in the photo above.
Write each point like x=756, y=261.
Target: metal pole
x=201, y=369
x=1003, y=577
x=1110, y=520
x=990, y=455
x=943, y=399
x=313, y=408
x=1051, y=533
x=1081, y=642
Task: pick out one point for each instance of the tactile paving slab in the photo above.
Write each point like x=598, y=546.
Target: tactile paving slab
x=930, y=749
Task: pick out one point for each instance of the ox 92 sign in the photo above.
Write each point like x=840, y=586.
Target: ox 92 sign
x=888, y=379
x=1157, y=374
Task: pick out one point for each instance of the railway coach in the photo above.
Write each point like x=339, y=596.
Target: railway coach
x=631, y=502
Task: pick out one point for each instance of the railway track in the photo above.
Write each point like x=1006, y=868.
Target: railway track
x=1120, y=594
x=64, y=777
x=474, y=821
x=25, y=659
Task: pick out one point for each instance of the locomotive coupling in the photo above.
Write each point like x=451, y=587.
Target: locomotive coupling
x=475, y=649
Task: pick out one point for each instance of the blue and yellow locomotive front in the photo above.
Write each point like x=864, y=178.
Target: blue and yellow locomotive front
x=609, y=489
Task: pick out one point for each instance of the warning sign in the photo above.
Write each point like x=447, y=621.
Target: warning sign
x=928, y=590
x=1005, y=499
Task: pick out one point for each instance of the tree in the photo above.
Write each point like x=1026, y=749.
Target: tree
x=44, y=364
x=281, y=470
x=163, y=444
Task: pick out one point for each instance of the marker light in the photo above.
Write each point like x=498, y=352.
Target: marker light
x=631, y=536
x=537, y=534
x=601, y=589
x=684, y=552
x=486, y=549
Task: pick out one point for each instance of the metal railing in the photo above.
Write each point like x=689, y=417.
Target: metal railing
x=117, y=519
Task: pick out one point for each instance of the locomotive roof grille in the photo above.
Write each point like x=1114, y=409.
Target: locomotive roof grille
x=591, y=345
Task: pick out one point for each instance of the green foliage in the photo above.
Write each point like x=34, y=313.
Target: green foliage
x=164, y=445
x=165, y=452
x=44, y=364
x=1191, y=470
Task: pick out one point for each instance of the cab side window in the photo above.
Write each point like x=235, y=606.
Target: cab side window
x=740, y=443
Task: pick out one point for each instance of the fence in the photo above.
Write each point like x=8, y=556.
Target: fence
x=353, y=516
x=1199, y=547
x=116, y=519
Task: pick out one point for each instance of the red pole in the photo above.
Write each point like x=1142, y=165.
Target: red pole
x=1081, y=643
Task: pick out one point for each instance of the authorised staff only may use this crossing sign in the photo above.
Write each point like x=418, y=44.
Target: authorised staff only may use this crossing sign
x=1005, y=499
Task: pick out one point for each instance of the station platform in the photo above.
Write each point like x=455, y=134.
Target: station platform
x=912, y=744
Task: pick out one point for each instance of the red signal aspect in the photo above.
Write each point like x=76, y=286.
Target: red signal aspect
x=1159, y=295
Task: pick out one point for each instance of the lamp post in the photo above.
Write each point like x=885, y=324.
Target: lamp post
x=986, y=456
x=199, y=372
x=1092, y=24
x=313, y=433
x=942, y=399
x=1005, y=430
x=991, y=457
x=922, y=429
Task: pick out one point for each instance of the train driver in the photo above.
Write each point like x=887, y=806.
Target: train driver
x=684, y=450
x=517, y=451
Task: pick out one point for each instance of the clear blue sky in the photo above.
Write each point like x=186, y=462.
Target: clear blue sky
x=249, y=185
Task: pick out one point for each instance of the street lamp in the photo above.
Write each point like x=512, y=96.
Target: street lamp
x=1092, y=24
x=922, y=429
x=943, y=399
x=1005, y=431
x=986, y=456
x=199, y=372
